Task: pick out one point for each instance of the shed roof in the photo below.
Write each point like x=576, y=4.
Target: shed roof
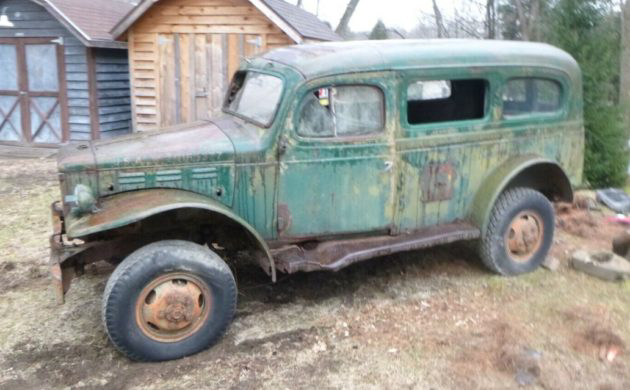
x=292, y=20
x=307, y=24
x=90, y=21
x=321, y=59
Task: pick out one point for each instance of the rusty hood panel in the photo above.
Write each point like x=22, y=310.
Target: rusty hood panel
x=193, y=143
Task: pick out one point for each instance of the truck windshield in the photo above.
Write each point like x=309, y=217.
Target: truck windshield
x=255, y=96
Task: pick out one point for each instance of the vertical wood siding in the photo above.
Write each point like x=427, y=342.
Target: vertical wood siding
x=32, y=20
x=183, y=53
x=113, y=94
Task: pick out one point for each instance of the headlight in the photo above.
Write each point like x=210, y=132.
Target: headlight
x=82, y=200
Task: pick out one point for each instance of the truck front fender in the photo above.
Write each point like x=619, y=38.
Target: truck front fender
x=126, y=208
x=530, y=171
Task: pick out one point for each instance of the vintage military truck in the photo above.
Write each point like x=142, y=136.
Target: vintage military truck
x=325, y=155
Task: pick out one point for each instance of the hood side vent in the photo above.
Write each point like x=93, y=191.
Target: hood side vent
x=170, y=179
x=128, y=181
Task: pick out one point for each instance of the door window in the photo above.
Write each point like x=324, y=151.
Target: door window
x=342, y=111
x=438, y=101
x=524, y=96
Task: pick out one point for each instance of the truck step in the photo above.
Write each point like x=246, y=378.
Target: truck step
x=337, y=254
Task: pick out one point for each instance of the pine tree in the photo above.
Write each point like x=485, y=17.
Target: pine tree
x=589, y=30
x=379, y=31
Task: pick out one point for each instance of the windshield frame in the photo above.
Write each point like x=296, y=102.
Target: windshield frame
x=226, y=105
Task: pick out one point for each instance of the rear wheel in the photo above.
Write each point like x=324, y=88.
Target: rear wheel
x=520, y=232
x=168, y=300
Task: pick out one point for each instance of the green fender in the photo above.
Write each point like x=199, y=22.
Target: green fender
x=515, y=168
x=128, y=207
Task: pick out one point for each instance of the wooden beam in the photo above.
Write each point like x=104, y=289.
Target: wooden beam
x=95, y=126
x=218, y=29
x=132, y=77
x=203, y=10
x=207, y=20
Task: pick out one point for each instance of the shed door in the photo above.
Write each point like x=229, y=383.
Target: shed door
x=32, y=95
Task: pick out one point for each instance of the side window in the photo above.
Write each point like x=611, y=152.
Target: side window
x=342, y=111
x=523, y=96
x=446, y=101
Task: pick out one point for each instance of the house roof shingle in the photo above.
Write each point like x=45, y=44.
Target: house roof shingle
x=307, y=25
x=91, y=21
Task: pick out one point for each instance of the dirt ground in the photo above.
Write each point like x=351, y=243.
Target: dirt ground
x=432, y=319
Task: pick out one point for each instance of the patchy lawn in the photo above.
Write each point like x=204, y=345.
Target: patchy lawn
x=428, y=319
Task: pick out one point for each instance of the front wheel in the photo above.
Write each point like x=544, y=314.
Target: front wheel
x=519, y=233
x=168, y=300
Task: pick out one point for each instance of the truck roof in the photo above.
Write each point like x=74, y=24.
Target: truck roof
x=322, y=59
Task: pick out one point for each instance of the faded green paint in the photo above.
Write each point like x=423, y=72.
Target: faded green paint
x=311, y=188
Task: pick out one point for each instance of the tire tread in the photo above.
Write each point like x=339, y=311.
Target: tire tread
x=137, y=260
x=500, y=209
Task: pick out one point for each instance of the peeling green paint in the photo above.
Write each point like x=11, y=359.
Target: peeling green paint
x=355, y=185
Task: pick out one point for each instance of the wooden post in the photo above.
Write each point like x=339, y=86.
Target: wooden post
x=95, y=125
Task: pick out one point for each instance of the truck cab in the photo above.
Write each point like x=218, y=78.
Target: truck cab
x=325, y=155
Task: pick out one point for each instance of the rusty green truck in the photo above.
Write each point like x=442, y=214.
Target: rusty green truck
x=325, y=155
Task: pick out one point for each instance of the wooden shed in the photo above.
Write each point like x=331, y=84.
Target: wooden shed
x=183, y=52
x=62, y=75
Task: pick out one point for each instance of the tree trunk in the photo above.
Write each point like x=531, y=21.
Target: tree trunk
x=439, y=23
x=342, y=28
x=522, y=20
x=491, y=20
x=624, y=74
x=533, y=23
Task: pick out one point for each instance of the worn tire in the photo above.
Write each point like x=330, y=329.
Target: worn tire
x=494, y=250
x=154, y=261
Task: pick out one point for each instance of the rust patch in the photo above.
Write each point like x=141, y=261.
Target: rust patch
x=438, y=182
x=284, y=218
x=335, y=255
x=173, y=307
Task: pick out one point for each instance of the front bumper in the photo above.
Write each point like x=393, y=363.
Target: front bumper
x=61, y=250
x=60, y=282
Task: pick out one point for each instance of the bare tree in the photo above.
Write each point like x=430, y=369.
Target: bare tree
x=439, y=22
x=342, y=28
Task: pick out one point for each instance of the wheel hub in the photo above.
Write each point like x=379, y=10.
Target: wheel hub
x=172, y=307
x=179, y=309
x=524, y=236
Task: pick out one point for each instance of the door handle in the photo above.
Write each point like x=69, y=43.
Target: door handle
x=388, y=166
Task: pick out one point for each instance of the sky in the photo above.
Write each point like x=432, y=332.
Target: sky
x=402, y=14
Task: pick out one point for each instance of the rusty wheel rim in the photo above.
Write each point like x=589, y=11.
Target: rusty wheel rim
x=173, y=307
x=524, y=236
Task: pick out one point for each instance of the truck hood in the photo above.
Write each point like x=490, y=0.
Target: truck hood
x=192, y=143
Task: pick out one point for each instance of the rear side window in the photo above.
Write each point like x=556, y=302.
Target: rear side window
x=342, y=111
x=525, y=96
x=438, y=101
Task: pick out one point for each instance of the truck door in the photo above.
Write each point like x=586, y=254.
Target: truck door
x=336, y=168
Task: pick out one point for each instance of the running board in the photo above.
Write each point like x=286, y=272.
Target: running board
x=335, y=255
